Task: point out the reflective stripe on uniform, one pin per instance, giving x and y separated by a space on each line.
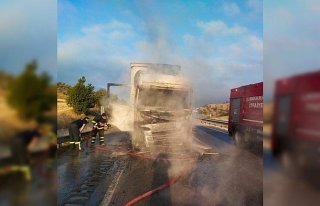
79 146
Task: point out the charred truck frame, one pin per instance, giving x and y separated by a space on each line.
246 115
296 121
161 100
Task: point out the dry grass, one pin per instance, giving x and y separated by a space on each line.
65 114
62 106
65 118
216 111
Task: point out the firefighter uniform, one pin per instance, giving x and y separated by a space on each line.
20 154
74 131
99 122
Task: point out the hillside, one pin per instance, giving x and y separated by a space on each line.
65 114
216 111
62 90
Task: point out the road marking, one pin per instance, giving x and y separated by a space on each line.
110 192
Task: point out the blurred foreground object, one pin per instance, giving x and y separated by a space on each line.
30 94
296 125
27 138
21 144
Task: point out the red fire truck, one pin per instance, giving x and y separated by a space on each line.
246 115
296 120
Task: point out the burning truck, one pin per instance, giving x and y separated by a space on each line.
161 100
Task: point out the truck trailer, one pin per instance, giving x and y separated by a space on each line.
161 100
245 123
296 121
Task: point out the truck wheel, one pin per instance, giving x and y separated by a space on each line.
238 139
288 161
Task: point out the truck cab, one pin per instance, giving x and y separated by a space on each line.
246 115
161 100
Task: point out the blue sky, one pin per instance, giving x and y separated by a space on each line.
291 39
217 43
28 30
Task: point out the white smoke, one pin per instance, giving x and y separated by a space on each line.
122 116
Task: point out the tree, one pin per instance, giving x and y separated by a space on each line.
101 95
82 97
31 94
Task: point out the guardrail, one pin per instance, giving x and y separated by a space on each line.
63 138
215 122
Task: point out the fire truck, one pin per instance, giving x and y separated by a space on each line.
296 121
246 115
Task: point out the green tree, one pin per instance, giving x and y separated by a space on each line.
82 97
31 94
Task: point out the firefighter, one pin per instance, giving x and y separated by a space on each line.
99 122
24 142
75 130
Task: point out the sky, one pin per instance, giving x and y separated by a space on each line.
218 44
28 30
291 40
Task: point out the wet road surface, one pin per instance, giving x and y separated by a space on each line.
84 176
41 190
281 187
227 176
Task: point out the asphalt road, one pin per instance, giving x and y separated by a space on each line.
284 187
224 176
84 176
41 190
227 176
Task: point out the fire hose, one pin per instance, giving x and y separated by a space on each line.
147 194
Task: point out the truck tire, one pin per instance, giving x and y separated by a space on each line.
238 139
289 164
